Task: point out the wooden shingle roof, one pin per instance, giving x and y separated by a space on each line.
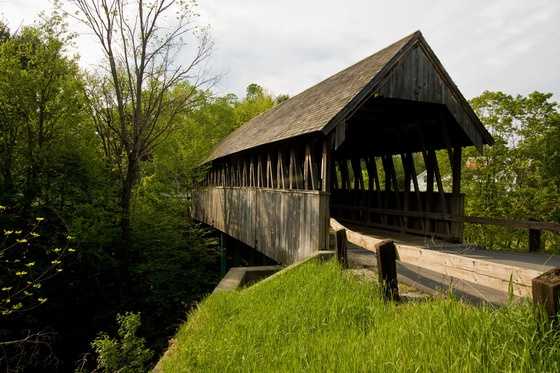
318 108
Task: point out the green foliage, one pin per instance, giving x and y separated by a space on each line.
128 352
317 318
518 177
257 100
27 260
41 116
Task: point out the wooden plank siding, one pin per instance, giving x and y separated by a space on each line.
285 225
417 77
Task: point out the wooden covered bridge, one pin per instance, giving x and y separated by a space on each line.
349 148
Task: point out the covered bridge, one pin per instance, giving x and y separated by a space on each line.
349 147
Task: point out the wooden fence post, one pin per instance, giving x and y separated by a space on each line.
342 248
534 240
546 292
387 269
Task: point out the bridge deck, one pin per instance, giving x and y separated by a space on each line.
459 264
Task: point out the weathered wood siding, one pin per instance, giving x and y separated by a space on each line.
417 78
285 225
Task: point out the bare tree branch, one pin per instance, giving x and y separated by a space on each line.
138 96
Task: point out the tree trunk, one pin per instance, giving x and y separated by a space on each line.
124 244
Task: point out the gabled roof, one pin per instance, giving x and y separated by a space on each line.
322 106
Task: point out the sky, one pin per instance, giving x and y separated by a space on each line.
289 45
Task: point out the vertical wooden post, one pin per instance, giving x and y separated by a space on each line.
388 175
414 177
546 293
280 171
343 163
325 167
259 172
373 181
441 192
342 248
358 177
269 176
534 240
252 173
292 169
308 174
387 269
407 179
391 174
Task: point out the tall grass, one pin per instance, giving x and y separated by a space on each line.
317 318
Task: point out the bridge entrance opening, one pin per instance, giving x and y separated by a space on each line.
399 169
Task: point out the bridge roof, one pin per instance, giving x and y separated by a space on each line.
328 103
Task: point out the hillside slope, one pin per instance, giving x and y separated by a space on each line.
317 318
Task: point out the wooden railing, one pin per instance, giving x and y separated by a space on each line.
419 213
535 228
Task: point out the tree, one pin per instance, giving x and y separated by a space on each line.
131 103
518 177
40 99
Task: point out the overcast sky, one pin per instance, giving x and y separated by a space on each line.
289 45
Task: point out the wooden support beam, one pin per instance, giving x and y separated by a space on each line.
269 175
391 175
315 167
343 164
258 172
407 179
341 248
308 170
386 253
387 174
280 171
325 167
534 240
334 176
432 155
373 180
252 182
358 177
292 169
412 169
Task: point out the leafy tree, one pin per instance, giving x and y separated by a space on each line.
256 101
131 105
40 100
518 176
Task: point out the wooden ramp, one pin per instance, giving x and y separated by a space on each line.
491 274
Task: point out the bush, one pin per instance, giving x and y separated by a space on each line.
125 354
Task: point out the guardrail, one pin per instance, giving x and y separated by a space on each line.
535 227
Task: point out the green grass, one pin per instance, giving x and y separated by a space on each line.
316 318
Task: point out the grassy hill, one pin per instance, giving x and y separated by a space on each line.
317 318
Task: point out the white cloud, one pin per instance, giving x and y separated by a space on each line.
288 45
